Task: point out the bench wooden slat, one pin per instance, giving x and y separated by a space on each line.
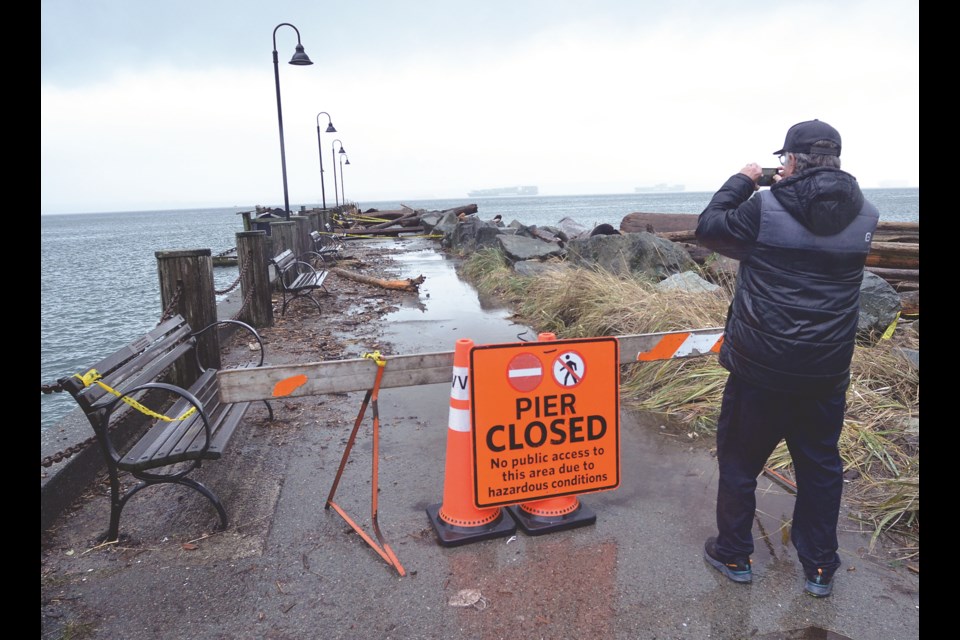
223 417
308 281
133 369
228 416
230 419
169 442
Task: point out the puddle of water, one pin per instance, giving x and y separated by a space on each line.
445 310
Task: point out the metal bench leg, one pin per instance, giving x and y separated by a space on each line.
211 496
303 295
117 503
116 506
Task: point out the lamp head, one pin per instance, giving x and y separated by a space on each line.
347 162
300 57
331 128
342 150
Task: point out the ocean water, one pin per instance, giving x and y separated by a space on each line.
99 287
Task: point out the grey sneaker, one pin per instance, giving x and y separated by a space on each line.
819 585
738 569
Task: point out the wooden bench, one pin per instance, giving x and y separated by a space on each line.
297 279
325 247
182 427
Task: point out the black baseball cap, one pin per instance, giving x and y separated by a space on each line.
802 136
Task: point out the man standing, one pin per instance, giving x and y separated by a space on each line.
788 342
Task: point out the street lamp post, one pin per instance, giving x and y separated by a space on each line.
333 154
330 129
343 192
300 59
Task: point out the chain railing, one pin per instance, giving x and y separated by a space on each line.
243 305
235 284
60 456
174 301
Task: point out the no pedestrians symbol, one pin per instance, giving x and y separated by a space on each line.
524 372
569 369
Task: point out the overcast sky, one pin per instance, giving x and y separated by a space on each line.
172 105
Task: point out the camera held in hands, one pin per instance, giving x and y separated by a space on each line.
766 179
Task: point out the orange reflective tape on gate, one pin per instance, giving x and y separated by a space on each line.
682 344
545 419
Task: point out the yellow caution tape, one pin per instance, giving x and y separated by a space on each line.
893 325
93 377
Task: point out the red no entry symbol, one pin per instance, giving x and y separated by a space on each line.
524 372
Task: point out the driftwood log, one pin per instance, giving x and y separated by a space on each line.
407 211
409 284
359 232
894 255
396 222
466 209
912 275
406 219
658 223
910 303
402 218
386 215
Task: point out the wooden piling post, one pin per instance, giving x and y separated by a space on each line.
303 234
326 221
284 234
186 287
314 215
253 257
247 224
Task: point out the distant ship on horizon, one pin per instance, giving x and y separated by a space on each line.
661 187
504 191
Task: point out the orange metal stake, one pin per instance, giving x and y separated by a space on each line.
383 549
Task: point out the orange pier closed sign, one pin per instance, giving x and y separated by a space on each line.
545 419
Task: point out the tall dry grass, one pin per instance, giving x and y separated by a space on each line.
880 440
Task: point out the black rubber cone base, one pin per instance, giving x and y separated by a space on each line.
534 525
453 536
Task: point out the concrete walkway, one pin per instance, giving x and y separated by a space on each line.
288 568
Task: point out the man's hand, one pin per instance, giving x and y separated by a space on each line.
753 171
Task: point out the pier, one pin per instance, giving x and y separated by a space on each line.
288 567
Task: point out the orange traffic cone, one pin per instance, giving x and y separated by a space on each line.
458 520
551 514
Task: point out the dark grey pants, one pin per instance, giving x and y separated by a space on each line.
752 422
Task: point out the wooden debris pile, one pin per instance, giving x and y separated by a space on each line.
374 223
